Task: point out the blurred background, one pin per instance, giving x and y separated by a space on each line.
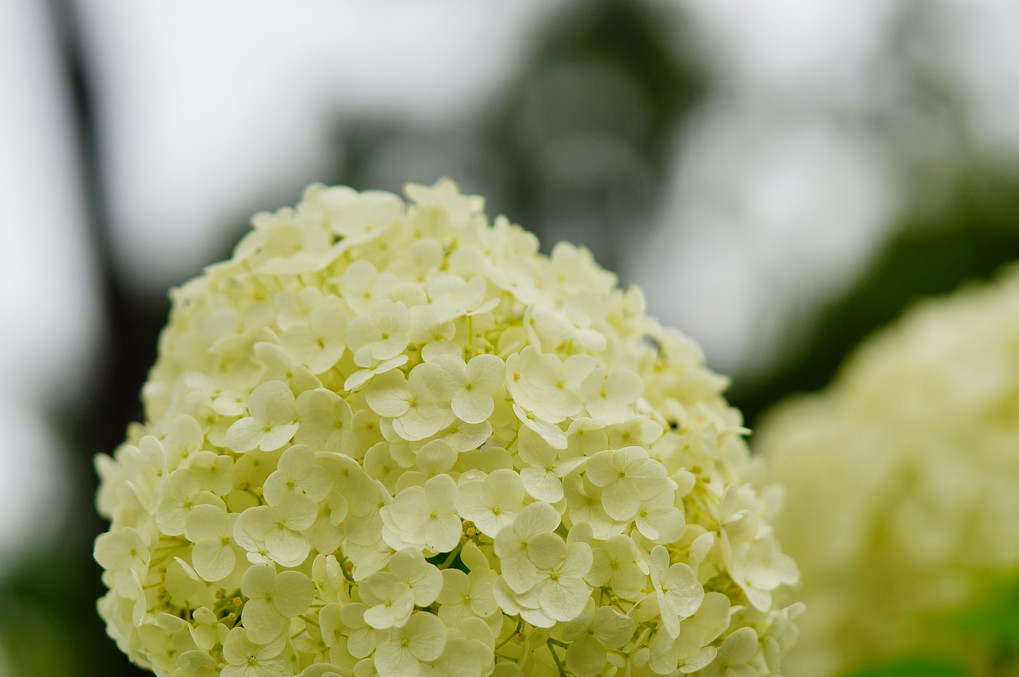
781 178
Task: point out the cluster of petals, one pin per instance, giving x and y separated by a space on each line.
901 482
394 439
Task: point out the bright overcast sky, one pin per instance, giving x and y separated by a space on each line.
45 294
197 135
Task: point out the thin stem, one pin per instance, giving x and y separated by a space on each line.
555 657
452 556
516 631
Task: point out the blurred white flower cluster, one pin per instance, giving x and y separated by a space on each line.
902 477
390 439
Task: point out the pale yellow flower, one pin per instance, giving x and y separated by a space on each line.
901 481
395 439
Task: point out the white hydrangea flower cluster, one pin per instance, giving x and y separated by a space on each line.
903 478
390 439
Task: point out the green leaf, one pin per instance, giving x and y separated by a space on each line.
916 666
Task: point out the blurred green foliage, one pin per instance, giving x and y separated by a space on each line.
578 143
994 618
973 232
910 667
986 630
980 638
584 131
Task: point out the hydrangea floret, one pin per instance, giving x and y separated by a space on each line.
394 439
901 482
